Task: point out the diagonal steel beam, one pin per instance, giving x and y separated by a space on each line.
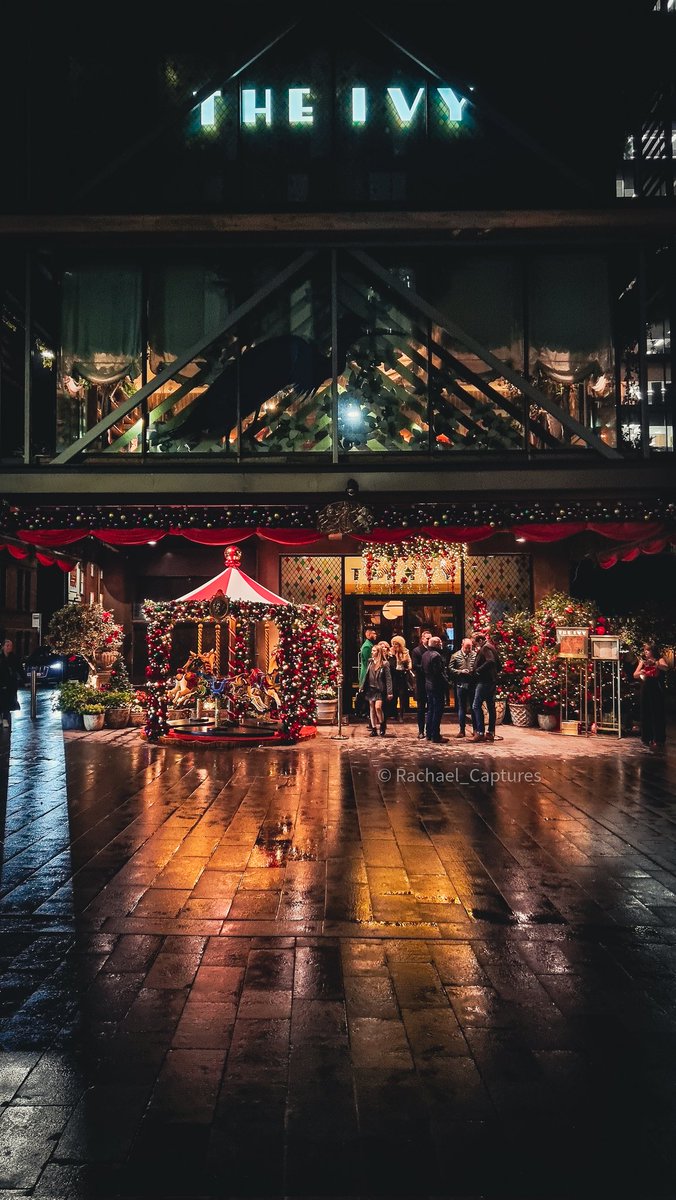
412 299
198 348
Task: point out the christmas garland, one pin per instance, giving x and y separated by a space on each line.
163 518
413 554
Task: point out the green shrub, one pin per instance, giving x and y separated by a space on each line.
93 709
75 697
115 698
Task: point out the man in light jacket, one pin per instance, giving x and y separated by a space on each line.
461 672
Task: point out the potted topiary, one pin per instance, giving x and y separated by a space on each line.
326 688
93 717
513 637
543 682
86 629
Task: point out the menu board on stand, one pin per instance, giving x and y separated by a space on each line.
573 654
607 676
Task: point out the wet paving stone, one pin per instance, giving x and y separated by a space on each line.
275 974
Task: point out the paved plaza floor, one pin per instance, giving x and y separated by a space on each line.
352 967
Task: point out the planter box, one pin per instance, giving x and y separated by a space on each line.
138 715
500 711
548 721
117 718
523 715
93 721
71 720
327 710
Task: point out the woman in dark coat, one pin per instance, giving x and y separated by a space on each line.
378 688
651 671
11 677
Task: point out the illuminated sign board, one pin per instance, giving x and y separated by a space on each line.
573 642
297 107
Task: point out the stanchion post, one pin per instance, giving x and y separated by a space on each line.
339 736
34 694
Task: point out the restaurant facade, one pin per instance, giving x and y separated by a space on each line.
331 304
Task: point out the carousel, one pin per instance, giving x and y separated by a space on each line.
253 672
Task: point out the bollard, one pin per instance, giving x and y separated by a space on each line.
34 694
339 736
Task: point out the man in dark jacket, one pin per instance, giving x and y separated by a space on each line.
461 672
487 667
435 689
420 692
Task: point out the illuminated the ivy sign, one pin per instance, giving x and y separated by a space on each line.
298 106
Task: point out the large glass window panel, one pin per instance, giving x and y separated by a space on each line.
571 351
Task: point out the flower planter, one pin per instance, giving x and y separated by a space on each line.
522 715
71 720
106 658
500 712
117 718
137 715
93 721
327 710
548 721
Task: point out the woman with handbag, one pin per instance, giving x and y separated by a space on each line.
651 671
400 667
377 688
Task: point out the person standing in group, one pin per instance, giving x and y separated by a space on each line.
367 645
420 691
651 670
377 688
487 667
361 707
461 672
11 678
435 689
400 665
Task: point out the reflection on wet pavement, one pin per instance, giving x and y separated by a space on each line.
336 970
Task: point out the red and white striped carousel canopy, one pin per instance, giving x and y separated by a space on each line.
234 584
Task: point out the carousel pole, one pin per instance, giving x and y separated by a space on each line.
339 736
217 656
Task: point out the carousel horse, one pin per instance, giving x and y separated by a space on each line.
262 693
201 663
184 689
195 669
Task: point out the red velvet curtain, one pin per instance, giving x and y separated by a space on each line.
45 560
629 553
621 531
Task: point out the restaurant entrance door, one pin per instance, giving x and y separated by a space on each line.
390 615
